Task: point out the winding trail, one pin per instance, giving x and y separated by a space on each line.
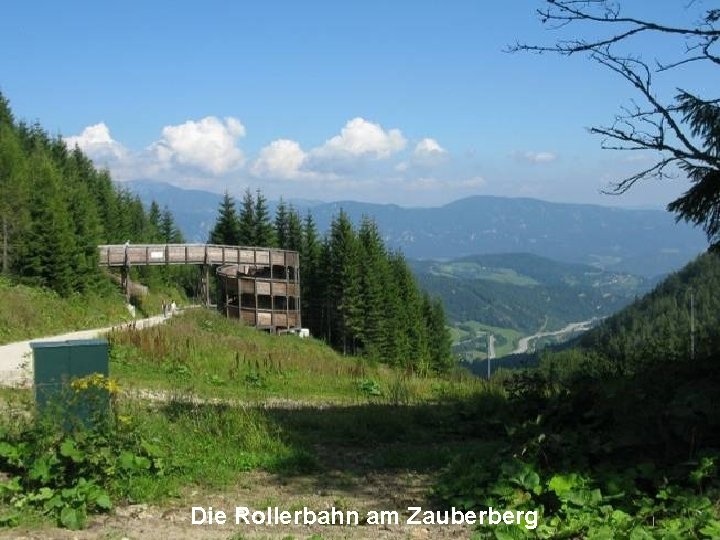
16 358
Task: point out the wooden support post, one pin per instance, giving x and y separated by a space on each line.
287 297
125 282
206 276
298 306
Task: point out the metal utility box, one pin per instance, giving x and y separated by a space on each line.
56 363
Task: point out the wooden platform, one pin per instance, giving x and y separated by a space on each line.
260 285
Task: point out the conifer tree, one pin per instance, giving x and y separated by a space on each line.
154 217
281 224
247 220
13 190
373 277
169 231
344 284
264 234
310 285
294 230
227 227
49 250
439 339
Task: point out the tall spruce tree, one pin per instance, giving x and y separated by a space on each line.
169 231
14 218
373 280
227 227
49 255
154 217
281 224
264 233
438 336
344 284
246 220
294 239
311 284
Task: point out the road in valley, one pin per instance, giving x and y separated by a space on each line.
524 343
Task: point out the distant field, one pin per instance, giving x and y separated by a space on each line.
472 270
473 334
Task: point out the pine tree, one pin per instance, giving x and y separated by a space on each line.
312 295
373 278
264 234
281 224
154 217
439 339
247 221
168 230
13 191
344 284
227 227
294 230
49 250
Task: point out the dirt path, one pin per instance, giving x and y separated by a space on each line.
257 490
16 358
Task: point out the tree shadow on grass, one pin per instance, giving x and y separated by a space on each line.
342 448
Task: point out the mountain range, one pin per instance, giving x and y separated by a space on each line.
643 242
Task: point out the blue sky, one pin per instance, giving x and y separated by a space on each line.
414 103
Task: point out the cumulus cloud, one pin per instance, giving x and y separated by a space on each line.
97 143
536 157
361 138
428 148
281 159
209 144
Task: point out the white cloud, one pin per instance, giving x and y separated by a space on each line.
536 157
209 144
281 159
470 183
97 143
429 148
361 138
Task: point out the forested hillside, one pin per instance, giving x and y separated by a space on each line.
56 207
356 295
657 327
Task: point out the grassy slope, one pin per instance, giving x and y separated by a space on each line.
32 312
342 414
29 312
207 355
599 439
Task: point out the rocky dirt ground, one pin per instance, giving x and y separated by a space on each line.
374 491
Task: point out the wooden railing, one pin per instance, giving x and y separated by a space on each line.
120 255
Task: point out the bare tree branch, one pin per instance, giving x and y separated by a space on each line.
684 130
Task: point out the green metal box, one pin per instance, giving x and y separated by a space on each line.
56 363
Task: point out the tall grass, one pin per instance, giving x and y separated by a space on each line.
204 354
